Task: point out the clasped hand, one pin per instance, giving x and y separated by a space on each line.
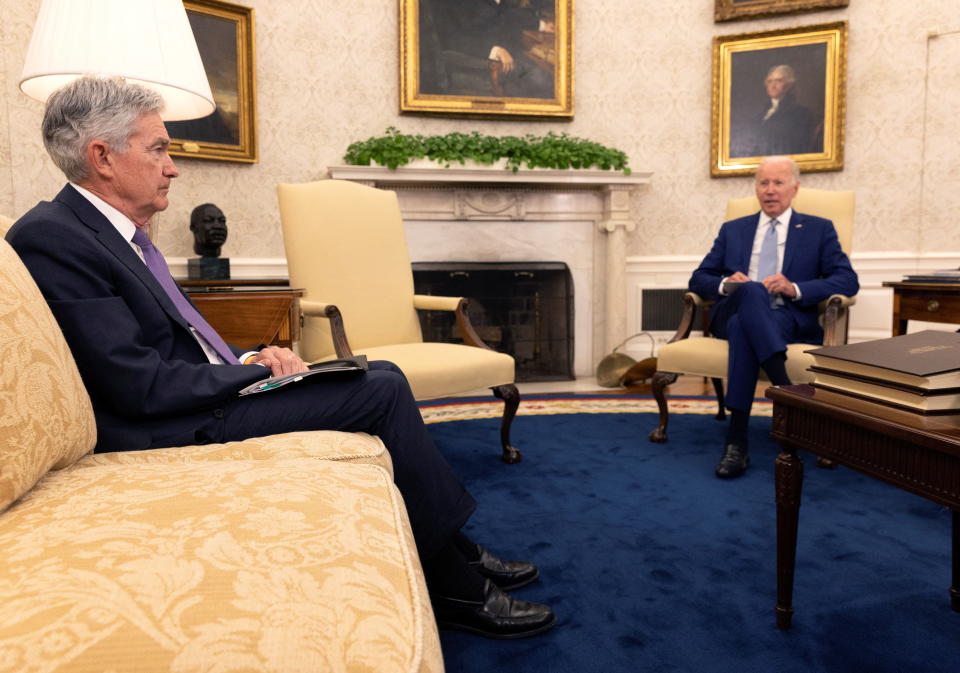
280 361
775 284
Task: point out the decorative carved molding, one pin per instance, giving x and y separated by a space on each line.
489 205
441 199
788 477
383 176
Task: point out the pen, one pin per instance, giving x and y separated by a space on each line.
270 386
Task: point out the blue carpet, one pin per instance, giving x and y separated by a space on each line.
653 564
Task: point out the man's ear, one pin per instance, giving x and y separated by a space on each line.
99 158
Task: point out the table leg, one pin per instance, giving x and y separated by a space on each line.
789 483
955 583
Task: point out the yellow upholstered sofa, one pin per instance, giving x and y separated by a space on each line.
286 553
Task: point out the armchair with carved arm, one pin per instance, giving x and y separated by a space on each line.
346 247
706 355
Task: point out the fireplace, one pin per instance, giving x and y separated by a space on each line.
579 217
524 309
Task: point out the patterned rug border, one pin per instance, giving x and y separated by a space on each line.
465 409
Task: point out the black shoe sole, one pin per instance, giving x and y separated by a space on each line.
515 585
476 631
732 475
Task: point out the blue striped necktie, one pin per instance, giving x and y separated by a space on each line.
767 264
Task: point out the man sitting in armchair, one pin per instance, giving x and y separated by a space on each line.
767 273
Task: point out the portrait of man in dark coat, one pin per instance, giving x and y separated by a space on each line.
777 102
500 48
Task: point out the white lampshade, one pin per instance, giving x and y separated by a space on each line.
145 41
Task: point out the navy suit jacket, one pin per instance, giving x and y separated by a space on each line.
150 382
812 259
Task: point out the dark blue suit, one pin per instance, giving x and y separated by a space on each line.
812 259
152 386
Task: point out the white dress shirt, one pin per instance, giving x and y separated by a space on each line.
783 230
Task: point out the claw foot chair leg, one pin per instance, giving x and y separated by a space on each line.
718 388
659 383
511 400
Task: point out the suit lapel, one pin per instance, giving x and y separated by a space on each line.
746 245
794 236
110 238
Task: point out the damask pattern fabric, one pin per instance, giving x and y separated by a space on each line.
46 420
213 566
353 447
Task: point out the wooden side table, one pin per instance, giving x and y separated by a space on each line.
914 452
931 302
249 315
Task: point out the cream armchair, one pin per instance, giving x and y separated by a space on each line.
347 249
707 356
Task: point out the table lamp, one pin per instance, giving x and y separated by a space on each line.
149 42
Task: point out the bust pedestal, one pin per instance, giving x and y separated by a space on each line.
208 268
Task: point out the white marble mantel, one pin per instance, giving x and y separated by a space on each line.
581 217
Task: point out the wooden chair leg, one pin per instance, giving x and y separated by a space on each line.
659 383
511 401
721 410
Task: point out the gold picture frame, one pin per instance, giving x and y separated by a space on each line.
736 10
804 69
225 37
487 60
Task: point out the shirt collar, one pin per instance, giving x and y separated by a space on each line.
120 222
782 218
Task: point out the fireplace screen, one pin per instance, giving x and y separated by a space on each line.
521 308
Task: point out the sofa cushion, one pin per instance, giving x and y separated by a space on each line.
286 565
349 447
46 419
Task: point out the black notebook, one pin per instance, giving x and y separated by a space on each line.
357 363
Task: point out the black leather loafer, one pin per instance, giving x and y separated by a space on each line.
734 462
498 615
507 575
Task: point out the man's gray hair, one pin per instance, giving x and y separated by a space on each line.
794 169
90 108
788 74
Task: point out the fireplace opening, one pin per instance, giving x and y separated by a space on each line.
524 309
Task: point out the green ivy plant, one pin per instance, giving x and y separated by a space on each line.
554 150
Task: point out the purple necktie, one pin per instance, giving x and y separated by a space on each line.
158 267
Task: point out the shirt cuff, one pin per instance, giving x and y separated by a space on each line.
796 289
248 354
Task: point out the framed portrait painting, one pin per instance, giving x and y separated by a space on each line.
733 10
224 35
779 92
487 58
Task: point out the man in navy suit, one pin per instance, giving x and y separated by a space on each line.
767 273
159 376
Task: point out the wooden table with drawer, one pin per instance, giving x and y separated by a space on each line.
249 312
930 302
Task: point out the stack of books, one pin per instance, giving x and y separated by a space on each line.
940 276
919 372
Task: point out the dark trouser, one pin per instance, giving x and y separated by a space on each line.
754 332
378 402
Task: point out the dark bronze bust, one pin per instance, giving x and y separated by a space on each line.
209 227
